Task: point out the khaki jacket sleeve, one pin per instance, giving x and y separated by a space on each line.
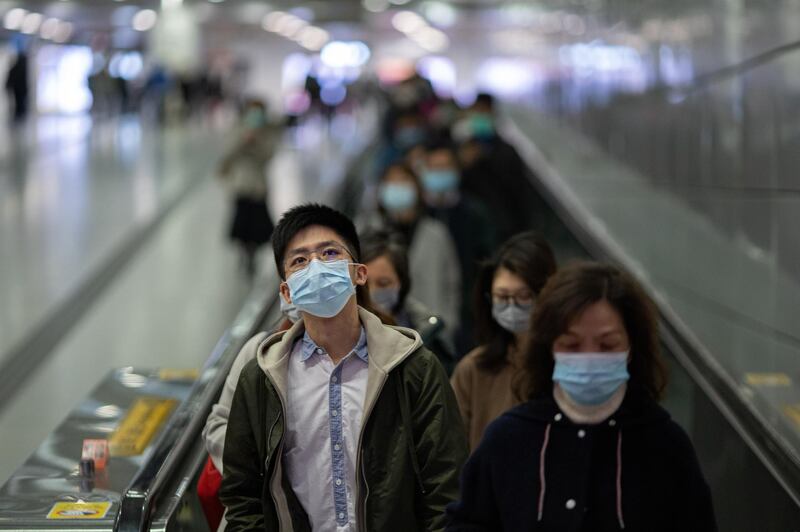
217 422
440 441
243 476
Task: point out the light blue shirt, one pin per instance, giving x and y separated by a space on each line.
325 406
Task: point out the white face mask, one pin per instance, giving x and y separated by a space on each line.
512 317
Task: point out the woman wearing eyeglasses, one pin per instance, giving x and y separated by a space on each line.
505 293
590 450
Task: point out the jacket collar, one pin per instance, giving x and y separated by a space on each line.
636 409
388 346
310 347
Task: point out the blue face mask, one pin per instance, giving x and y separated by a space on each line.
322 289
385 298
398 197
437 181
409 136
590 379
482 126
512 317
289 310
254 118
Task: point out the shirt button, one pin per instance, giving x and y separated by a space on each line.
581 433
334 379
341 516
558 417
612 423
334 413
337 447
338 482
570 504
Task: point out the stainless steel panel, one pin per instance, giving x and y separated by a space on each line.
51 473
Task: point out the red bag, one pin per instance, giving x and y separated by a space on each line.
208 492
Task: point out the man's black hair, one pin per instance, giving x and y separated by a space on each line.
486 99
440 143
298 218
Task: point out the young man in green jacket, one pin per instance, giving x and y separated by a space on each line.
340 423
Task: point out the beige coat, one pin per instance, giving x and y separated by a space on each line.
482 396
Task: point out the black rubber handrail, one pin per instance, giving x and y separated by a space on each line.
186 425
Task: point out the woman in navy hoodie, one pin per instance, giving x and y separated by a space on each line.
591 450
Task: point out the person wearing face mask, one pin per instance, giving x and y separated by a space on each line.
432 254
505 294
468 221
341 422
591 449
216 425
492 169
386 258
243 172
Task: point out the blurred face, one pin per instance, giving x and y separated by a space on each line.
382 275
441 160
397 175
598 329
510 287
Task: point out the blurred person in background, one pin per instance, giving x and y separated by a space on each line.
432 255
17 87
386 258
243 171
468 221
591 449
492 169
505 295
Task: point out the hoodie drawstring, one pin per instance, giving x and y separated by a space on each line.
542 454
619 481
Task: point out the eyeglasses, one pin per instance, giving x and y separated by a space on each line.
520 298
326 252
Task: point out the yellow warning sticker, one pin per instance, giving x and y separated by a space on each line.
169 374
793 413
139 425
79 510
769 380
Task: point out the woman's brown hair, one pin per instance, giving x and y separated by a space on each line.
526 255
565 296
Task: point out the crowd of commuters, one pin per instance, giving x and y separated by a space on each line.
436 370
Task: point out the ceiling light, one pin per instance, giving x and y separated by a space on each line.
13 19
31 23
272 21
145 20
375 6
49 28
313 38
440 14
408 21
290 25
64 32
399 2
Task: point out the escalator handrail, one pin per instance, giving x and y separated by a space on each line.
187 423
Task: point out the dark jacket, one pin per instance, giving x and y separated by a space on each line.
537 471
412 441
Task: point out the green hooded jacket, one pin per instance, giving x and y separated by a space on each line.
411 448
